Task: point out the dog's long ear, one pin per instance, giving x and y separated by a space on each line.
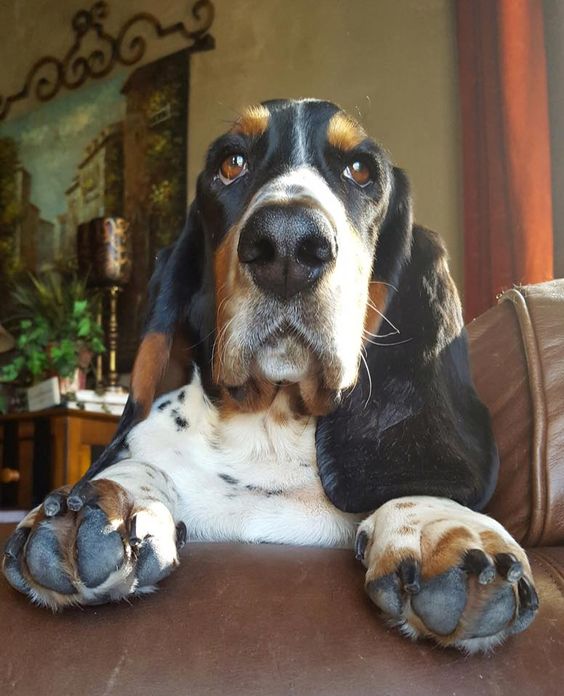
177 319
176 328
392 253
394 236
413 424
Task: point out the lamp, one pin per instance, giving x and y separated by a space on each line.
104 253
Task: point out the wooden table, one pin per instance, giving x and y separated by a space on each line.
43 450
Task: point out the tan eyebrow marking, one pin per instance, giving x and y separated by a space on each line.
343 132
253 121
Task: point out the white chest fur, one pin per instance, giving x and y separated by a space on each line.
249 477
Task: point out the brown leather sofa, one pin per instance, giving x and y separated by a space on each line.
272 620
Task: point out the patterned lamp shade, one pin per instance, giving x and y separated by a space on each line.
104 251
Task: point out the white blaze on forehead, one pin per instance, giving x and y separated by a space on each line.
303 185
300 144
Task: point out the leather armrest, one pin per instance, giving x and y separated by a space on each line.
517 356
250 620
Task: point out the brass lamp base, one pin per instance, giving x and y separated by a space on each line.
104 255
113 375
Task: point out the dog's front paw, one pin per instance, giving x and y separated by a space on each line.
440 570
113 547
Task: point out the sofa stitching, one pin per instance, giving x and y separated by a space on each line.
539 485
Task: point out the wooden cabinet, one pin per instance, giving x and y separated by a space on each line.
44 450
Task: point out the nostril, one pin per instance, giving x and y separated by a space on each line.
314 252
261 250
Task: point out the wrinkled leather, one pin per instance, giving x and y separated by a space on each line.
501 379
240 620
517 355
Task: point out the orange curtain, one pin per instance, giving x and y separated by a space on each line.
506 153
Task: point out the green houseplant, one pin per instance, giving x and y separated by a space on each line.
55 327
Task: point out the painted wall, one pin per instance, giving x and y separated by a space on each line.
390 62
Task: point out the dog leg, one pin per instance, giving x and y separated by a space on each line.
121 543
439 570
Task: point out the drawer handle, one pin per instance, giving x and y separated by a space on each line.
9 475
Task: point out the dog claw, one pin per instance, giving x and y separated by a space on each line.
16 542
528 596
134 540
181 535
75 502
360 545
54 504
13 574
409 572
509 567
477 563
51 506
82 494
12 559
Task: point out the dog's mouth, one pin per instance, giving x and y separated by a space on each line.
284 359
283 349
311 340
285 365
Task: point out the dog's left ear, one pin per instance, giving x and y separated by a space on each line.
178 318
176 334
413 424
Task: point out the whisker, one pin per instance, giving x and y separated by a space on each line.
383 282
223 344
220 305
228 106
373 306
396 343
369 333
194 345
198 343
392 333
218 340
369 379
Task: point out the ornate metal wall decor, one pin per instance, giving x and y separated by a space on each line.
48 75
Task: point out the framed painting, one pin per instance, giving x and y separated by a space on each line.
116 147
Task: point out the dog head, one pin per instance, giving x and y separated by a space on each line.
298 264
299 226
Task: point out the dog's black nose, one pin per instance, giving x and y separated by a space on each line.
286 248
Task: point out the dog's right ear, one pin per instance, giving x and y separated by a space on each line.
178 331
395 234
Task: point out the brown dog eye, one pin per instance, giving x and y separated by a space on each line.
232 168
359 173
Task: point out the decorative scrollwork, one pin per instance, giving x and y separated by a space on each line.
49 74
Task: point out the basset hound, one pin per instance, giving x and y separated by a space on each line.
303 378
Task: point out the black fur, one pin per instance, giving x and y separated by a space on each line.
420 429
229 479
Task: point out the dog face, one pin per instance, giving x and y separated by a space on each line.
292 202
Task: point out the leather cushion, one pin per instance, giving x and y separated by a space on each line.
517 356
269 620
